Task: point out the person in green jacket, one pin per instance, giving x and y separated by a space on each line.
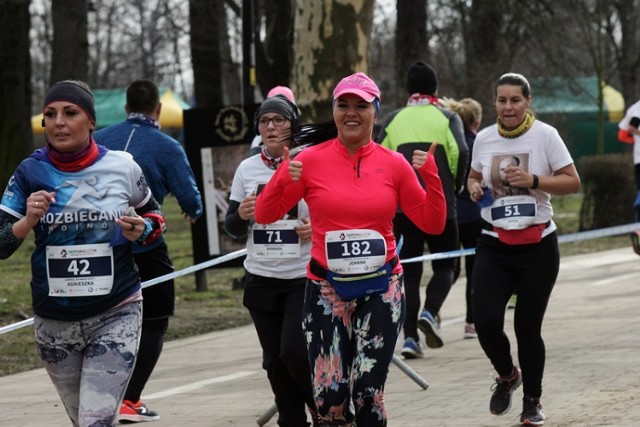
418 125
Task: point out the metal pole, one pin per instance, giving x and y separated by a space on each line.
264 418
201 280
410 372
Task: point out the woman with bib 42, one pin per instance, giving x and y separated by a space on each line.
517 251
86 206
354 303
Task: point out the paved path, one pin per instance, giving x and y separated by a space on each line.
592 334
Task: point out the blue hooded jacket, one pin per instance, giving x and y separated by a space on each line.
163 161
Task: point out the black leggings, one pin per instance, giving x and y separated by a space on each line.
443 270
636 208
275 306
158 305
151 342
469 232
501 270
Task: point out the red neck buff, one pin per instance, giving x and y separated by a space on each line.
422 99
269 160
73 162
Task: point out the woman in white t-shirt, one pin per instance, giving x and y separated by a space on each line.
517 251
277 257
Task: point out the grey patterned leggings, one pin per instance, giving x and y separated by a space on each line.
90 361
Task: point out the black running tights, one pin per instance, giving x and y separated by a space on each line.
501 270
151 342
443 270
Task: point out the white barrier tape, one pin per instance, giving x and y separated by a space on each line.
440 255
601 232
193 268
154 281
17 325
565 238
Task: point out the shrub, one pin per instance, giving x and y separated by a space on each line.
608 187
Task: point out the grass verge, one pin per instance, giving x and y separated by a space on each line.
197 312
219 307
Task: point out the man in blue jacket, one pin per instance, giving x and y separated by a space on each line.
166 170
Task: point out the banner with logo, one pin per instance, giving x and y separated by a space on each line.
216 141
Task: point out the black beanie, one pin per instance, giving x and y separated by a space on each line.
278 104
422 78
73 92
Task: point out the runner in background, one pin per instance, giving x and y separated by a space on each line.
630 133
468 212
517 251
167 171
418 126
277 257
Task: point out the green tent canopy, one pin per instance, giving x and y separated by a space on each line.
110 109
575 96
571 105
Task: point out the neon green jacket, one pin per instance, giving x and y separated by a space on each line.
417 127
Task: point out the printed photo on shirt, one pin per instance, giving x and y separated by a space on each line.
499 165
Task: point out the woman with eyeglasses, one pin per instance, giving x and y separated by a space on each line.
277 256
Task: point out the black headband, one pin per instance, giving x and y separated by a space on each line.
74 93
278 104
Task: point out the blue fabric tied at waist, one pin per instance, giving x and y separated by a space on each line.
352 286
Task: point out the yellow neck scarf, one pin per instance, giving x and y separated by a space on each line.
520 130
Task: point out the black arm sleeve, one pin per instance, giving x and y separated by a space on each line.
635 122
151 206
457 129
235 226
9 243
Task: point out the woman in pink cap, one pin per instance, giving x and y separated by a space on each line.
354 303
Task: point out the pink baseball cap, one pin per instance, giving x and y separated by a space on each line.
282 90
358 84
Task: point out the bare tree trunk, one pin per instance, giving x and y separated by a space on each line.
411 41
331 41
70 51
15 74
274 52
628 56
206 17
231 77
486 57
101 62
41 36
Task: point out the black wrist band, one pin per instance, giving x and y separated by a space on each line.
535 182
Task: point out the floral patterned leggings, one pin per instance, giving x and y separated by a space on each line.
351 345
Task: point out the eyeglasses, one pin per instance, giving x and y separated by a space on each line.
278 121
